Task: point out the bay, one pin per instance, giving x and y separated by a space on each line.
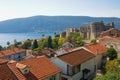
5 37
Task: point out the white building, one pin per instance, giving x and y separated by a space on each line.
76 65
13 54
99 51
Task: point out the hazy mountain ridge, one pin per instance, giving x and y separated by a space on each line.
51 23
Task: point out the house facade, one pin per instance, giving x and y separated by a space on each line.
13 54
99 51
75 65
113 32
111 42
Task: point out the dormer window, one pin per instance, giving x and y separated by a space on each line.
23 68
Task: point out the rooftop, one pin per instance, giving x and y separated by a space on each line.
3 61
11 52
77 57
96 48
40 68
5 72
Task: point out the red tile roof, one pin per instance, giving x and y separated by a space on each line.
3 61
6 73
96 48
117 38
77 57
105 38
40 68
11 52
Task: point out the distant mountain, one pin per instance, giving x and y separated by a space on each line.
51 23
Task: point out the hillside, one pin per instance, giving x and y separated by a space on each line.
50 23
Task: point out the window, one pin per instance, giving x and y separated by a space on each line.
52 78
76 69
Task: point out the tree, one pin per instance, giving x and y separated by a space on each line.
112 65
1 48
15 43
35 44
8 43
111 53
55 43
110 75
26 45
55 33
77 39
49 42
94 41
61 41
112 71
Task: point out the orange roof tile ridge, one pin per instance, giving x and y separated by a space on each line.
13 72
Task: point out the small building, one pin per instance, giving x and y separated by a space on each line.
63 34
40 68
67 45
111 42
13 54
113 32
99 51
76 65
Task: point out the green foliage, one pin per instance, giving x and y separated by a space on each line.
94 41
111 53
55 43
112 71
112 65
49 42
26 45
15 43
61 41
35 44
1 48
8 43
37 49
110 75
77 39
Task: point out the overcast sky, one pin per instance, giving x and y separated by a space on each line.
24 8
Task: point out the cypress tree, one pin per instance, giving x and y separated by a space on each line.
35 44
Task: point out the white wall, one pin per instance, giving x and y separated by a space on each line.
89 65
62 65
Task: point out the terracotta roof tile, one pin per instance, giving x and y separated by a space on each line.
117 38
40 68
96 48
3 61
11 51
77 57
6 73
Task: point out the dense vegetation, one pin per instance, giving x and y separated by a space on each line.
112 67
112 71
54 43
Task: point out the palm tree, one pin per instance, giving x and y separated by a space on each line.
8 43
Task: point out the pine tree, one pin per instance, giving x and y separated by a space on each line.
35 44
49 44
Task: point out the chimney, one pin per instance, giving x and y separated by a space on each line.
23 68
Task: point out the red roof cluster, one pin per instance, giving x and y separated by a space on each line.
11 51
40 68
96 48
